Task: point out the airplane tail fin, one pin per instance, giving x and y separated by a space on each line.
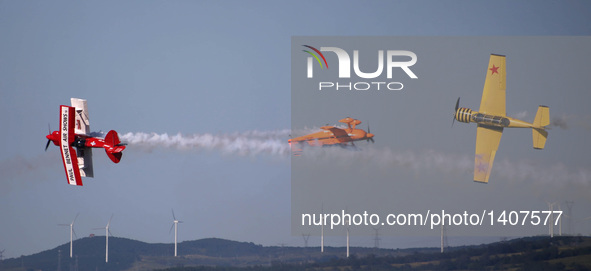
539 134
113 146
542 117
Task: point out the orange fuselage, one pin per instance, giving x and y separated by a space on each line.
328 137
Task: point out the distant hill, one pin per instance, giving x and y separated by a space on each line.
531 253
126 254
89 254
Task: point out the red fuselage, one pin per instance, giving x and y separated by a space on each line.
83 141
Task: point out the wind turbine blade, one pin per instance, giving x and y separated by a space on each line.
75 235
174 217
109 221
172 226
75 218
111 233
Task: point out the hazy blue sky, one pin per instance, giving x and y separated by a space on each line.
202 67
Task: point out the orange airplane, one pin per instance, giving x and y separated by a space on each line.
333 136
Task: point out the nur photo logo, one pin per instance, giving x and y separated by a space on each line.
392 61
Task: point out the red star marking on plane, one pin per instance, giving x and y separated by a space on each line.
494 70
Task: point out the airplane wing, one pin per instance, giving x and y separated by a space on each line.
493 95
338 133
82 124
85 162
67 136
82 127
330 136
487 143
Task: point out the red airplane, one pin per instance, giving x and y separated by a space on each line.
75 132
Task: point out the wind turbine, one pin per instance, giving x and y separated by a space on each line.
348 223
559 219
322 229
72 233
107 233
175 224
551 214
322 237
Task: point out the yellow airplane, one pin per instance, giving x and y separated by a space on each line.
491 119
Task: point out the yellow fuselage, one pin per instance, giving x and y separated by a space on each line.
467 115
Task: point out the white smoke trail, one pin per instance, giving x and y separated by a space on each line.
416 160
244 143
521 115
558 174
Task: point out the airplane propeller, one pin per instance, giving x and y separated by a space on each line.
48 140
369 133
455 111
